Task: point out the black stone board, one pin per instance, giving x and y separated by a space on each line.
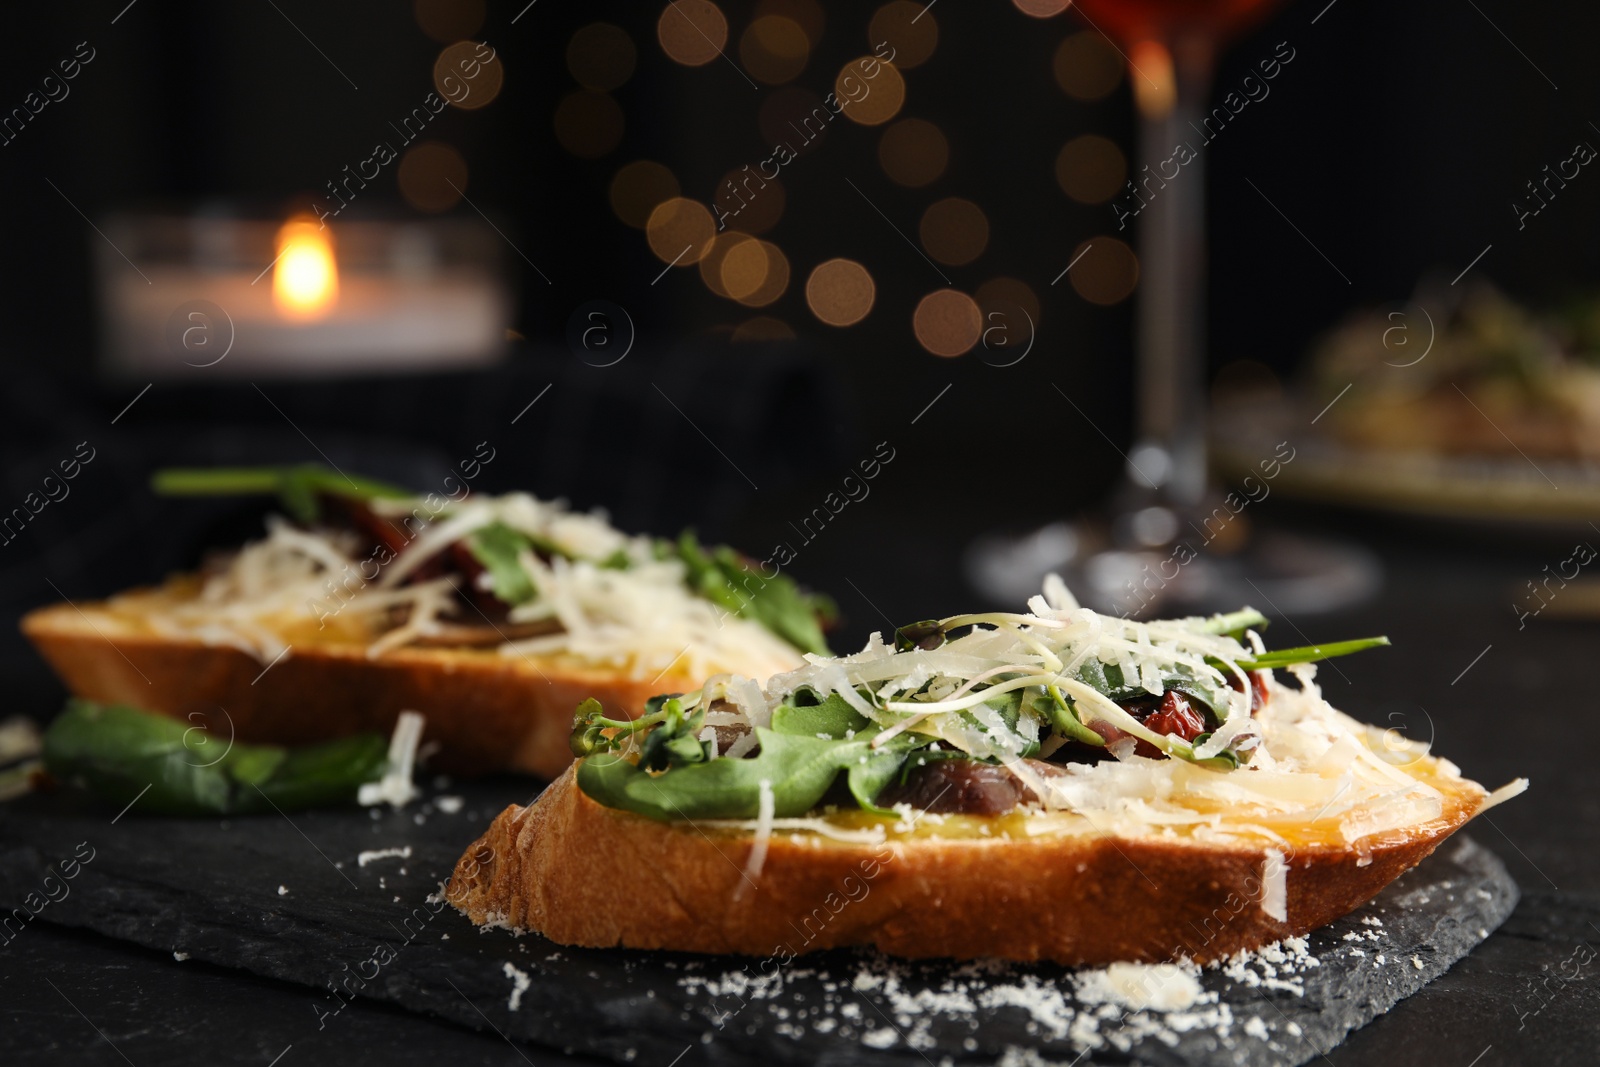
209 890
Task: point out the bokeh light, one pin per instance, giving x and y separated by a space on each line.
755 273
774 49
1086 66
762 328
1042 9
807 14
954 231
432 176
1002 295
913 152
680 231
447 21
1107 272
749 202
638 187
791 115
588 124
601 57
907 28
870 91
744 269
947 322
692 32
840 292
711 262
468 74
1091 169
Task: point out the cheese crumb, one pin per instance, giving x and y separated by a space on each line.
881 1038
364 858
520 982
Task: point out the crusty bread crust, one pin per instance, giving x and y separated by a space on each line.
487 712
583 874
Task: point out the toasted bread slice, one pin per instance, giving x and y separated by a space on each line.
940 890
487 711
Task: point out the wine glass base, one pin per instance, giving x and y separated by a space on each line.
1284 573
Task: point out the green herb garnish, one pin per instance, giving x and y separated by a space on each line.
297 486
801 755
176 768
1285 657
723 577
498 547
717 573
660 767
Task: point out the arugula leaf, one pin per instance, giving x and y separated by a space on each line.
799 770
800 756
721 576
1062 714
119 751
833 717
1283 657
497 547
296 486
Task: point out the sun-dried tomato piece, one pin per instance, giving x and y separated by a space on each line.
1176 717
1258 688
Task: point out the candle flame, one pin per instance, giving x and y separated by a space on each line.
1155 82
305 281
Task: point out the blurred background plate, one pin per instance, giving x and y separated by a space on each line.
1511 493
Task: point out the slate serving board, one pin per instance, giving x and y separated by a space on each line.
290 898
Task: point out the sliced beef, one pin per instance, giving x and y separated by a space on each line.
964 787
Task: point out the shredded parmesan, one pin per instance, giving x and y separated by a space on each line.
766 806
1514 788
395 786
1275 886
614 604
1312 774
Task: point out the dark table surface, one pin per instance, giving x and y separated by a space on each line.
1501 698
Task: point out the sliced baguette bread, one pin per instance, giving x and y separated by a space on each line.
487 711
941 890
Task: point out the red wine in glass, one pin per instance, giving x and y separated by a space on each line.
1170 46
1161 20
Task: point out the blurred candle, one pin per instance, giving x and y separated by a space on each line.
305 278
368 296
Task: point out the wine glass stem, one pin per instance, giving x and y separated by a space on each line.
1171 314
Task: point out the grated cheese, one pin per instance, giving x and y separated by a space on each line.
766 806
1314 772
642 619
395 786
1275 886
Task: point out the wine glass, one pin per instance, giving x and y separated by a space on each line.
1171 542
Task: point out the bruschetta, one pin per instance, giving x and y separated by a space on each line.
491 615
1055 785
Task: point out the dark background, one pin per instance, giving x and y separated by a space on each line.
1396 143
